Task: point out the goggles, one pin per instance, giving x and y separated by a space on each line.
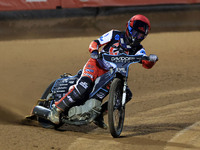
137 35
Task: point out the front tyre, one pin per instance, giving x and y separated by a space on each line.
116 112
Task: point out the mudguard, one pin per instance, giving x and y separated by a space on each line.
62 85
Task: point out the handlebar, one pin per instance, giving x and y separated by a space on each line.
124 58
145 57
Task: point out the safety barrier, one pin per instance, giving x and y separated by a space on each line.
104 3
12 5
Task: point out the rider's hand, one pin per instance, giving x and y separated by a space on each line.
94 54
153 58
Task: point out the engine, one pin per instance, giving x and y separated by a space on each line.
84 112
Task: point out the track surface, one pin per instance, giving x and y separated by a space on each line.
166 98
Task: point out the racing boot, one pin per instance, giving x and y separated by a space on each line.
129 95
54 115
99 121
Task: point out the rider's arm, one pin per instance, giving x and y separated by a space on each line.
94 45
145 63
104 39
148 64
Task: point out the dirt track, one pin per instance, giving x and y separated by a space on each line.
166 98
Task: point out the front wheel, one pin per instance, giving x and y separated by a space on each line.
116 112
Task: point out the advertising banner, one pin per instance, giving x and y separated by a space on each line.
104 3
6 5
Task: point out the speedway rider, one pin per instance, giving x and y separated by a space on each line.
114 42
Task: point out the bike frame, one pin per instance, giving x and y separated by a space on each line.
121 65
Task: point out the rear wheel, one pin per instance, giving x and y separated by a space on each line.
44 122
116 112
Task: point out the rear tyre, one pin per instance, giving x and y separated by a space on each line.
43 122
116 113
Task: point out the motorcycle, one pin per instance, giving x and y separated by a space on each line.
113 82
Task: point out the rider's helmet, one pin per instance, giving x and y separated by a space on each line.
137 29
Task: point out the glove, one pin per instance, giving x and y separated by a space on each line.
94 54
153 58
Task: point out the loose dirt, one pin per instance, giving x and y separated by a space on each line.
166 98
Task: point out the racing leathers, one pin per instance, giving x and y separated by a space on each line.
113 42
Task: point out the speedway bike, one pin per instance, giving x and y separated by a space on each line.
112 83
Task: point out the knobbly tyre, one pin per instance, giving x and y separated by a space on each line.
114 83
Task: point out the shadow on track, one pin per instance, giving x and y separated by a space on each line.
63 128
145 129
82 129
137 132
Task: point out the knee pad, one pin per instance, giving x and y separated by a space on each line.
78 92
81 89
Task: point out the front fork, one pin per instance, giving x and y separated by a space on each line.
124 92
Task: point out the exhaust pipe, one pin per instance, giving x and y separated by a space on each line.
41 111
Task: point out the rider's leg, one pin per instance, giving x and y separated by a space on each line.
128 95
84 84
78 91
128 98
99 121
75 94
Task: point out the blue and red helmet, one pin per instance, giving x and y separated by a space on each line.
137 29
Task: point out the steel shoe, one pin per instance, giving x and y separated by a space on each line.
54 115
